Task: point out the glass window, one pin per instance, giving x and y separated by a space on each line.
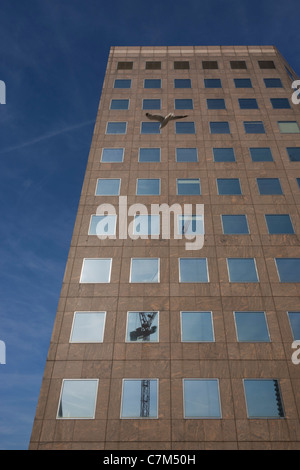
139 398
223 155
122 83
294 154
180 64
125 65
188 187
152 83
294 318
229 186
144 270
153 65
298 181
96 270
116 128
182 83
212 83
216 103
288 127
263 398
146 225
288 269
185 127
184 104
142 327
261 154
266 64
242 83
150 128
191 224
238 64
149 155
148 187
186 155
219 128
248 103
235 224
201 398
88 327
251 327
103 225
196 327
267 186
78 398
273 83
151 104
193 270
280 103
108 187
210 64
112 155
119 104
279 223
254 127
242 270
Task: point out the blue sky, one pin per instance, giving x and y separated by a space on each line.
53 57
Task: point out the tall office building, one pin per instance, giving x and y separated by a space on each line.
158 344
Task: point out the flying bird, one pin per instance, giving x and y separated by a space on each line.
164 119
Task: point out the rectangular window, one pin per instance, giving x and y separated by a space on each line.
146 225
151 104
280 103
182 83
144 270
294 154
254 127
193 270
185 128
261 154
153 65
242 83
152 83
190 225
119 104
279 224
216 103
269 186
196 327
288 127
266 64
142 327
112 155
181 65
148 187
272 83
186 155
96 270
116 128
125 66
184 104
248 103
212 83
189 187
242 270
122 83
78 398
229 186
263 398
288 269
298 182
235 224
294 319
150 128
88 327
219 128
108 187
201 398
210 64
139 398
103 225
223 155
149 155
251 327
238 64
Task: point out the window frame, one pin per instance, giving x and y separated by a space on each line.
149 148
230 280
245 312
116 133
102 234
119 99
94 398
218 396
138 180
87 312
211 327
127 335
229 194
144 282
279 233
255 416
110 195
206 274
235 215
112 148
188 179
122 398
96 282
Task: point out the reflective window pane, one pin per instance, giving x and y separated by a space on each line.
148 187
182 83
212 83
112 155
229 186
191 224
146 225
280 103
272 82
184 104
142 327
193 270
294 154
201 398
216 103
242 270
263 398
116 128
150 128
149 155
219 128
152 83
242 83
196 327
96 270
103 225
251 326
188 186
88 327
279 223
223 155
254 127
108 187
288 269
78 399
288 127
248 103
144 270
119 104
151 104
185 128
235 224
186 155
269 186
261 154
294 318
122 83
140 398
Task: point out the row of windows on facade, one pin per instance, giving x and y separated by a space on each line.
190 270
206 64
196 327
219 154
201 398
125 83
215 127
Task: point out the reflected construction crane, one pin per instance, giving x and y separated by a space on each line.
144 331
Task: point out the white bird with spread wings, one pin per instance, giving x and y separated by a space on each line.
164 119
